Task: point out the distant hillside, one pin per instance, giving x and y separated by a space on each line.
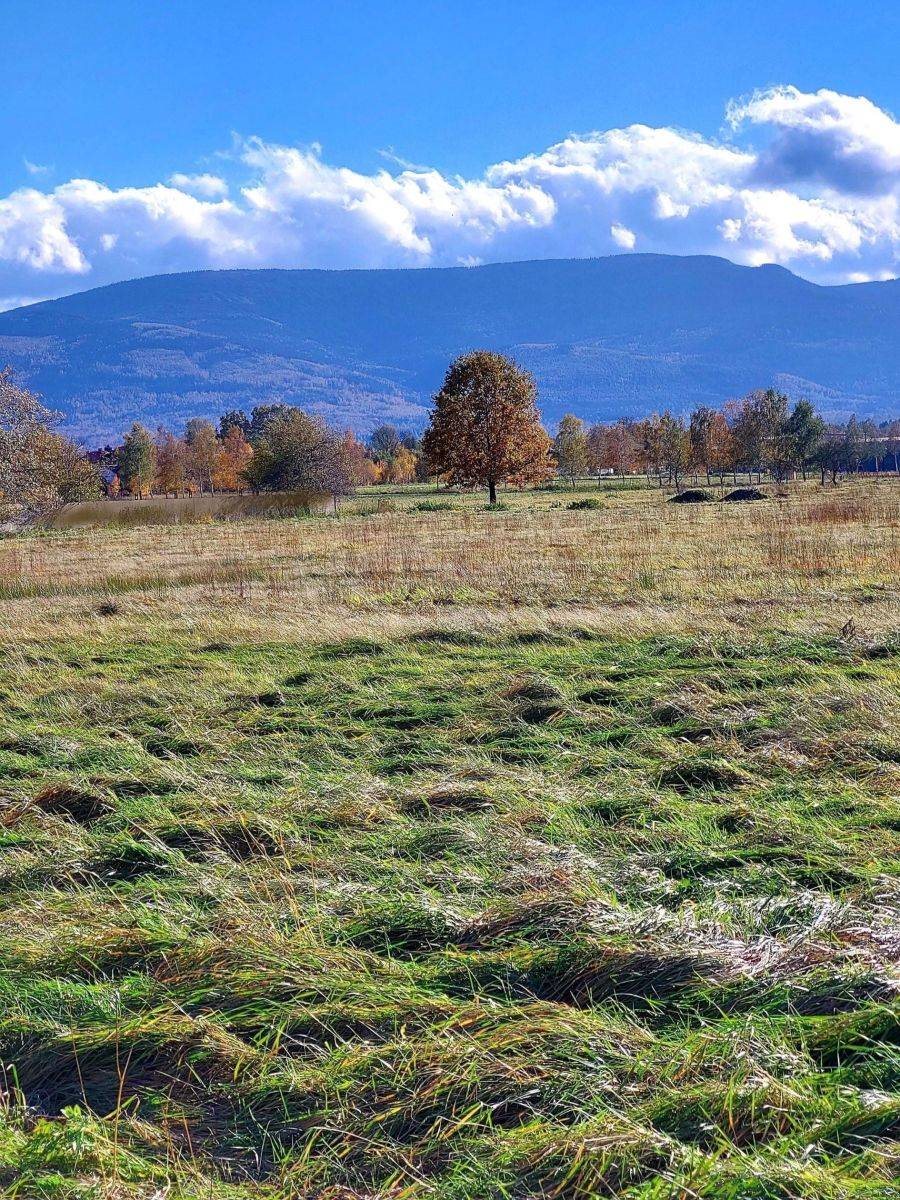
604 337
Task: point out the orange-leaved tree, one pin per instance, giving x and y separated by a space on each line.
402 467
485 428
232 461
360 467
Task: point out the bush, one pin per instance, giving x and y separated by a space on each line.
588 504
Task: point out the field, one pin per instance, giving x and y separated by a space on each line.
436 852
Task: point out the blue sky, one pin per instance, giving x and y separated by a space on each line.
143 100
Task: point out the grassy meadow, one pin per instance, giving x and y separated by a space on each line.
425 851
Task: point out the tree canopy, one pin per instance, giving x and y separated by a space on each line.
39 470
570 447
485 428
298 453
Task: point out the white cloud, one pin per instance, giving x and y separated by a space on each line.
34 234
34 168
821 195
843 142
210 186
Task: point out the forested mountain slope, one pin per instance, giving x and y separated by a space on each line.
604 337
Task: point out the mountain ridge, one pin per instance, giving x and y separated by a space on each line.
605 337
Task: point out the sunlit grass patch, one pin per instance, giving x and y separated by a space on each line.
458 913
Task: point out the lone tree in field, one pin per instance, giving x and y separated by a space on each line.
485 428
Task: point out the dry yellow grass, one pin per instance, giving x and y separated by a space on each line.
814 557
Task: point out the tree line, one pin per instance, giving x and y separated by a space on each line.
761 433
278 447
484 431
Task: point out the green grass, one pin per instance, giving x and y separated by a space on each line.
459 915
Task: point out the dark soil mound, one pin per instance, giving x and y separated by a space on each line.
746 494
692 496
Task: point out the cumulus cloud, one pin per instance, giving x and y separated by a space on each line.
211 186
842 142
820 194
624 238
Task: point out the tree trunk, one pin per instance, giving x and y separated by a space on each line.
492 491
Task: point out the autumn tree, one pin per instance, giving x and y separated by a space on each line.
203 453
674 447
597 449
137 461
650 447
570 448
262 414
485 428
853 444
873 446
59 474
712 449
829 456
748 432
232 461
699 431
297 453
170 463
779 450
620 447
759 426
402 467
720 447
235 418
360 468
22 420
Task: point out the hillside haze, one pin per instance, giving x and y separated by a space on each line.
604 337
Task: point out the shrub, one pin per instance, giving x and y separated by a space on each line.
588 504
